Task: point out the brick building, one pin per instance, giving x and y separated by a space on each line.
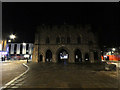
65 43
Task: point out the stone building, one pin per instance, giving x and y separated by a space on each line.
65 43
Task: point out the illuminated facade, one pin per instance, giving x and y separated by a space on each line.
65 43
3 49
4 44
15 51
111 54
20 50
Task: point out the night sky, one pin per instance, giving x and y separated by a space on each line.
22 18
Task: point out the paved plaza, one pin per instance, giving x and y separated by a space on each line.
49 75
11 69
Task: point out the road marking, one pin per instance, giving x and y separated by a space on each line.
9 83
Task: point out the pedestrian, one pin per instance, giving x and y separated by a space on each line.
2 58
27 60
65 63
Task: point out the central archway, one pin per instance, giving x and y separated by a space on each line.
63 56
78 55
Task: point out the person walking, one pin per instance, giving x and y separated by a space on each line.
2 58
27 60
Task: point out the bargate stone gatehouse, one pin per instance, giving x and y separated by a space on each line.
65 43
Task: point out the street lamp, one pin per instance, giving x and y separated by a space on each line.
12 36
9 40
113 49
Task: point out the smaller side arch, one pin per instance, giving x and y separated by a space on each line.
47 40
87 57
40 58
79 39
48 56
78 56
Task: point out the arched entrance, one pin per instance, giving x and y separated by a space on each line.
48 56
41 58
87 57
63 56
78 55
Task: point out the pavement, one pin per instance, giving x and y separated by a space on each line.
11 69
49 75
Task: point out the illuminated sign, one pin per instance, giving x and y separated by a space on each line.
26 56
3 53
63 56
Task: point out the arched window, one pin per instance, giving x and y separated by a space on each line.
68 39
62 40
78 40
47 40
57 40
78 55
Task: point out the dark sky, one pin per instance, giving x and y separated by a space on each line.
22 18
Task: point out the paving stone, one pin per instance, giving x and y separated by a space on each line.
55 76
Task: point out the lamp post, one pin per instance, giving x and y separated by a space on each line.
113 49
11 38
9 41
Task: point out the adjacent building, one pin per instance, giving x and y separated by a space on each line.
15 51
111 54
19 50
3 49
